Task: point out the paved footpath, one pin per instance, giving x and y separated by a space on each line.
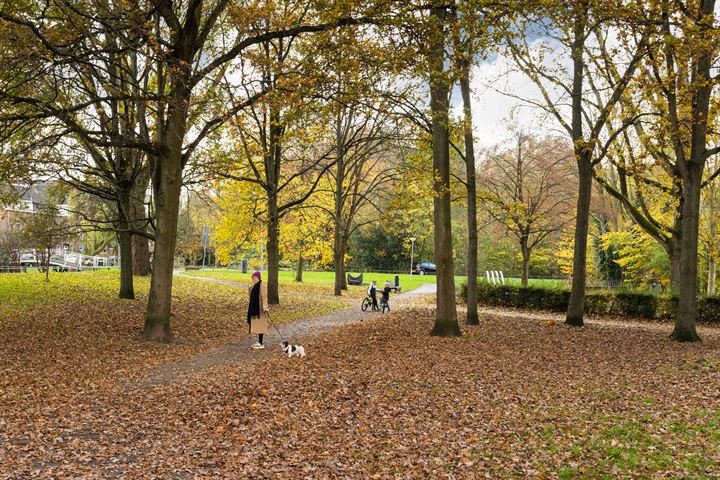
294 331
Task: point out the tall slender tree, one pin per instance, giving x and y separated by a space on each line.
446 323
478 25
472 239
676 93
682 67
575 26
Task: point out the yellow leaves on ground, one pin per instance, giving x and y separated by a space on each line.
517 396
57 339
382 399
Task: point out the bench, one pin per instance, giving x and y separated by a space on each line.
355 280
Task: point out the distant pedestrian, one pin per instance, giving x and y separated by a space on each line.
257 309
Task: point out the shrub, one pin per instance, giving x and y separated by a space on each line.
634 304
621 303
709 309
666 307
599 303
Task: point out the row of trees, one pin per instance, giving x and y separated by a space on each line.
114 98
288 106
627 78
641 86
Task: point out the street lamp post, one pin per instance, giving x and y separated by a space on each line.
412 253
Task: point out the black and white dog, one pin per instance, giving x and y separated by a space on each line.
293 350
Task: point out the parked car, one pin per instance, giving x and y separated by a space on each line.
425 268
28 260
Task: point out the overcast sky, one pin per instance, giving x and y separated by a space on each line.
495 113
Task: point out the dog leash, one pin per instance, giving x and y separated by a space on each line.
267 314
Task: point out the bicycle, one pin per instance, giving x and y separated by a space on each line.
366 303
383 305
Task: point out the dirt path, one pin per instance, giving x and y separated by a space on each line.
294 331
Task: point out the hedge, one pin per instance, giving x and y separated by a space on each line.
619 303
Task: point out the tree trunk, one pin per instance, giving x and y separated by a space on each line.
272 173
299 271
583 153
472 242
140 251
712 234
127 290
48 254
577 295
141 255
167 183
445 314
138 214
338 252
712 275
344 270
687 281
166 175
273 255
338 259
525 251
341 265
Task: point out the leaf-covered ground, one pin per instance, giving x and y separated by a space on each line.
73 336
515 396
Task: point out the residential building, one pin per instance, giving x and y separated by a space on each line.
31 198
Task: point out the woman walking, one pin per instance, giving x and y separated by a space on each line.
257 309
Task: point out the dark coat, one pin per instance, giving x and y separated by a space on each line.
260 303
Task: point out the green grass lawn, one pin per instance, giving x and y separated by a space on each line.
19 291
28 289
407 282
25 290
